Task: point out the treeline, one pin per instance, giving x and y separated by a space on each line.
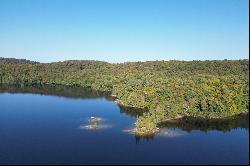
168 89
16 61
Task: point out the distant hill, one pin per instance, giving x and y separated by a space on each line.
16 61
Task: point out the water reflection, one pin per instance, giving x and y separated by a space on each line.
68 92
147 138
54 90
185 124
224 125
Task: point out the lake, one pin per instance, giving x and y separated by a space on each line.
44 125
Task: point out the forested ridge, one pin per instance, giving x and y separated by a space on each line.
167 89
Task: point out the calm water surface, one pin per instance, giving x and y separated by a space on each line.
42 126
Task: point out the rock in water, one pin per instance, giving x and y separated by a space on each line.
95 120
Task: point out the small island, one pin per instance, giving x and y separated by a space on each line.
94 124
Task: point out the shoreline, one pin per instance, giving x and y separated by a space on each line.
116 100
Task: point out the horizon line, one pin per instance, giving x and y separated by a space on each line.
156 60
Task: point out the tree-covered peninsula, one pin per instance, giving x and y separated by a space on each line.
167 89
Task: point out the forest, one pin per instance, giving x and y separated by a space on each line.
166 89
16 61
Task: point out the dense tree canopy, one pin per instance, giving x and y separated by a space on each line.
16 61
168 89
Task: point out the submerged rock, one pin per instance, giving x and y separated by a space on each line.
141 133
170 133
160 132
130 131
94 127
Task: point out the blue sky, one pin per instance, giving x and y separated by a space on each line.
124 30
